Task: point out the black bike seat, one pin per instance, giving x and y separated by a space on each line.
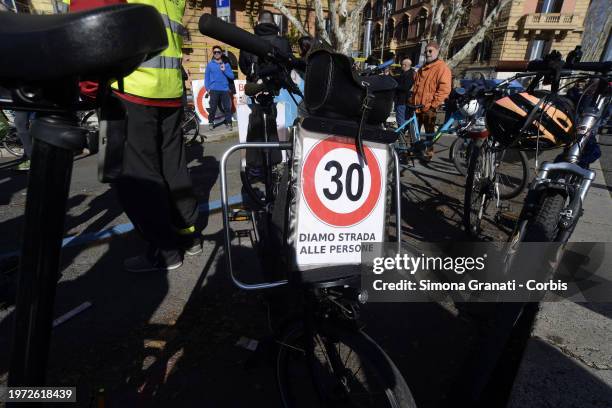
107 42
414 106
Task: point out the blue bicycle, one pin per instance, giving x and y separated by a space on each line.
412 143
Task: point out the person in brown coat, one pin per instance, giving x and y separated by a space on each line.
432 85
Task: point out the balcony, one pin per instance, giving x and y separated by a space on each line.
557 22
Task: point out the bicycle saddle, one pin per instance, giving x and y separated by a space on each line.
419 106
107 42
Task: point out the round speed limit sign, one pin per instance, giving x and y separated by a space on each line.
340 190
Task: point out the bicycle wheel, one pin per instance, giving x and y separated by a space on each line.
90 121
459 153
512 173
544 227
190 125
477 189
12 144
344 369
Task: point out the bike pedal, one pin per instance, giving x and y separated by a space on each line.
240 215
508 216
242 233
239 218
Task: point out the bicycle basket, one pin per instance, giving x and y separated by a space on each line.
333 89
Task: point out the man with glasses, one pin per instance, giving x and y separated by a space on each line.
216 80
432 85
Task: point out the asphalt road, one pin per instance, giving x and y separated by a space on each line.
148 340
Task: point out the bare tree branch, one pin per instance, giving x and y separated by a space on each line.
337 31
450 26
597 26
320 21
437 15
479 35
280 6
356 11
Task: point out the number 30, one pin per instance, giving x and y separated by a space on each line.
348 182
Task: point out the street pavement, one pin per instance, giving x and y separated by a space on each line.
568 358
148 340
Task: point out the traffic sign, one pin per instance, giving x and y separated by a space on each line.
356 187
223 8
342 202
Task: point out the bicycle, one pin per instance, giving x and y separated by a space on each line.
466 112
57 136
323 348
411 142
495 171
8 135
190 126
553 205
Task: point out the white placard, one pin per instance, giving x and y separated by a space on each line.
342 200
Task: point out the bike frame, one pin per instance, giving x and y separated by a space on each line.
431 138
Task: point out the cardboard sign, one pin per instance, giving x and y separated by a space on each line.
342 201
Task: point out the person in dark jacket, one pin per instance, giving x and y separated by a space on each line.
263 109
403 91
267 29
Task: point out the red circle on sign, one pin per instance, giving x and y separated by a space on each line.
199 102
312 198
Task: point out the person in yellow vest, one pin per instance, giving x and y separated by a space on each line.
155 186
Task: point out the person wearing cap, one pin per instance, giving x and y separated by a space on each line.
216 81
267 29
432 85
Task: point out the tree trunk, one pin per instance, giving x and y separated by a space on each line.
450 26
280 6
344 23
598 24
478 36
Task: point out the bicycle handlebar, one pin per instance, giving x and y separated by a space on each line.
546 66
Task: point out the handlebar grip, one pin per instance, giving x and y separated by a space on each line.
511 66
604 67
220 30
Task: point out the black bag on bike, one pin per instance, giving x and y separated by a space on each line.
335 90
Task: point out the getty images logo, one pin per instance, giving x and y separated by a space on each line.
411 263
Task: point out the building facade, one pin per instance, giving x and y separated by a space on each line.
525 30
198 48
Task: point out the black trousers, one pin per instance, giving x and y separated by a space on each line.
222 98
155 187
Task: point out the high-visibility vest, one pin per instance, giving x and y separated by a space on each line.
63 6
160 77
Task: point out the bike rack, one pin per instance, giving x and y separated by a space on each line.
225 207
